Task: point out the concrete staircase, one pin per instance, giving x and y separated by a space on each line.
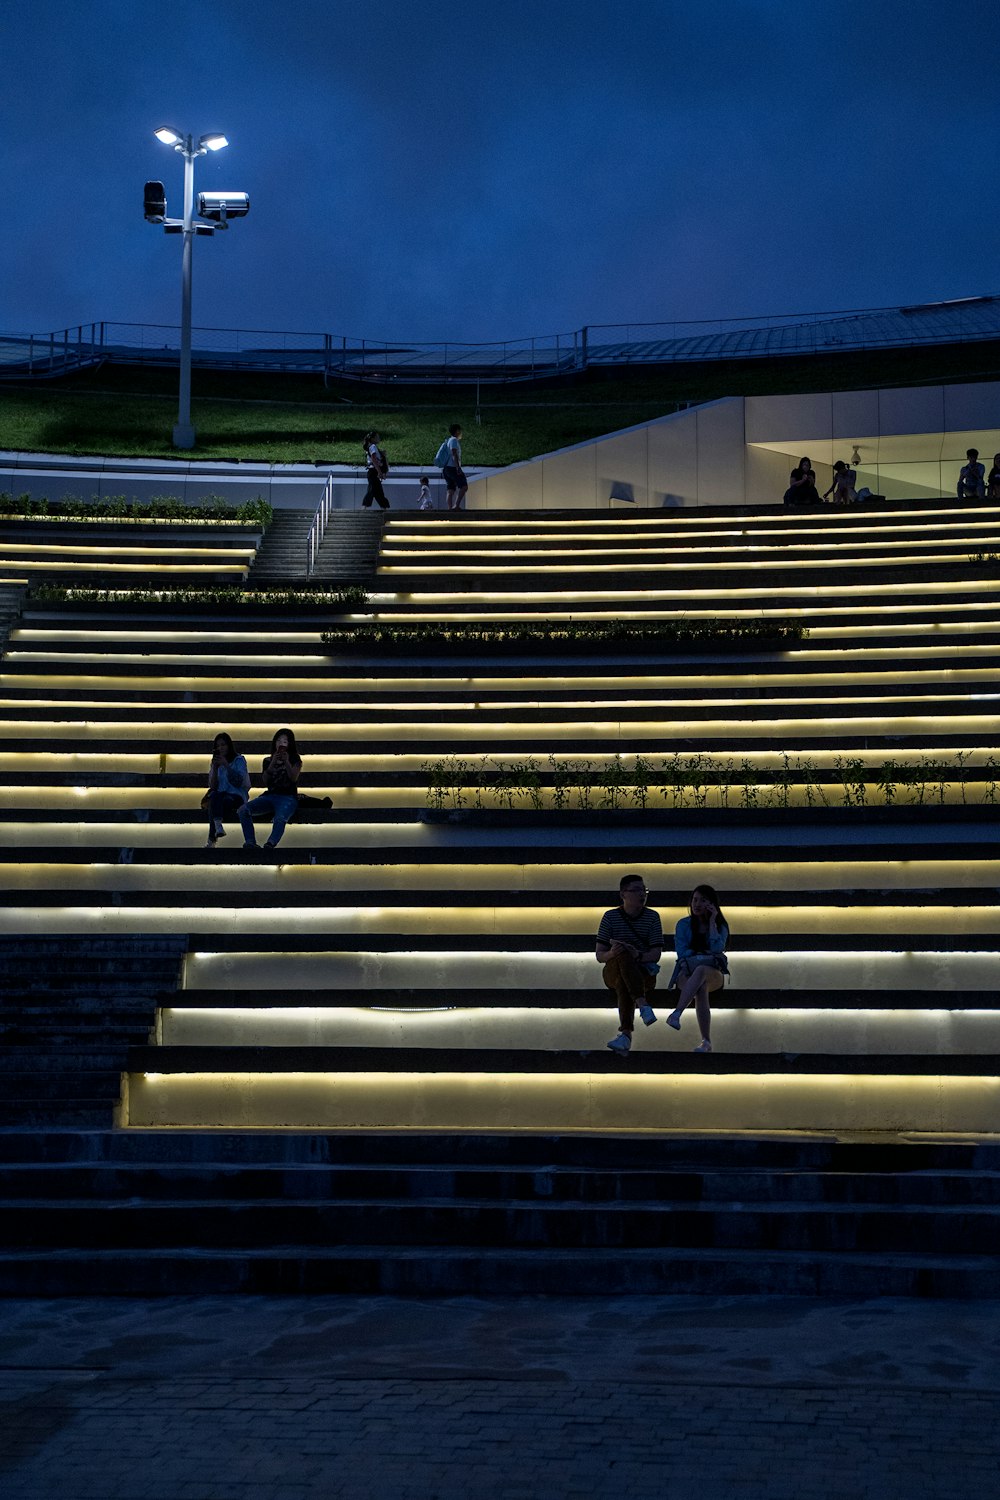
126 554
348 553
144 1214
410 999
70 1010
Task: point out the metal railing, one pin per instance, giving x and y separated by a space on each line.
38 355
500 361
316 531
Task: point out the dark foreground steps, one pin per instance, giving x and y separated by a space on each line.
440 1214
71 1008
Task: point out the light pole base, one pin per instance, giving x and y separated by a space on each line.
184 435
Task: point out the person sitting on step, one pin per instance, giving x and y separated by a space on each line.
629 943
700 939
282 769
228 786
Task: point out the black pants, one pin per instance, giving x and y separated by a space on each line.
375 490
222 803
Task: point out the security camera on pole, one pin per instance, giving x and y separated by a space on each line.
218 208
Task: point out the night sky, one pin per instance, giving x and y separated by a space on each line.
480 170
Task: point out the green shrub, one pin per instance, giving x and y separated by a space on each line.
662 635
224 595
257 512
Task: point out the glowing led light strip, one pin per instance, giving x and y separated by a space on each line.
144 567
833 518
147 553
718 565
483 535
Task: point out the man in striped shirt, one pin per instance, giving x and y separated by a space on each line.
629 944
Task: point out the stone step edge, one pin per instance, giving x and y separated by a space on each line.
426 1060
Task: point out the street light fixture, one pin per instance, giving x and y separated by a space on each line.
222 207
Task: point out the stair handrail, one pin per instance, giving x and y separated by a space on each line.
315 538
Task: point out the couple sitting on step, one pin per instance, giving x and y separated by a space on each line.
629 944
229 789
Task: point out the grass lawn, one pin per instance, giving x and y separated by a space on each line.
128 412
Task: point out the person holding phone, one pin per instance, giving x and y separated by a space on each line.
282 769
700 939
228 786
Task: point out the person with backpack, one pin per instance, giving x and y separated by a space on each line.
376 467
449 458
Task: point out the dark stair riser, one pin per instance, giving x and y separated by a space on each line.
214 1182
254 1225
441 1273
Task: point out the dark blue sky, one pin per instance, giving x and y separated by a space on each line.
500 167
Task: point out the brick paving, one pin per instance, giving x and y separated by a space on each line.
271 1414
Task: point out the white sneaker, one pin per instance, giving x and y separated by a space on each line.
647 1015
622 1044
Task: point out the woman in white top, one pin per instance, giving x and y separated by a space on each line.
843 486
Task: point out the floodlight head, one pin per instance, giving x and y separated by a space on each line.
154 202
214 140
168 135
223 206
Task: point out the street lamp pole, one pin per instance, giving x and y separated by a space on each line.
190 149
184 433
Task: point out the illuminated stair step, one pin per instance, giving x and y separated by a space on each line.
174 766
736 1029
474 736
771 895
281 970
694 704
766 570
49 693
227 912
536 1000
977 535
138 573
167 552
600 1092
479 523
128 887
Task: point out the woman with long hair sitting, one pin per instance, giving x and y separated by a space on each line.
282 769
702 966
228 786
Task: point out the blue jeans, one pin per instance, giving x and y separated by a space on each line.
277 805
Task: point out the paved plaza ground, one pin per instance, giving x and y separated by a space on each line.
300 1398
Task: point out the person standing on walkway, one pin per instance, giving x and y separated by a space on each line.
454 474
629 943
280 801
376 468
228 786
700 939
972 478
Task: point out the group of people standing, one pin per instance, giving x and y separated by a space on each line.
629 946
448 459
229 789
